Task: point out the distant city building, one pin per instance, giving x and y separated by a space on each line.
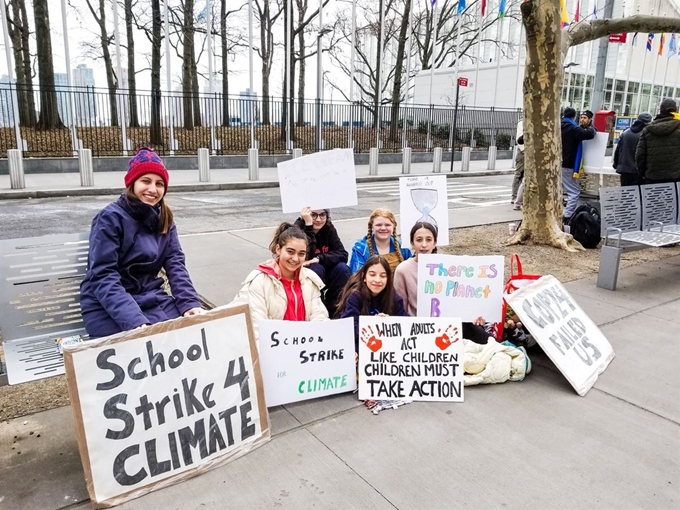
6 119
244 106
86 100
63 97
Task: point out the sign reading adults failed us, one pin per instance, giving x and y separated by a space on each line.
461 286
159 405
322 180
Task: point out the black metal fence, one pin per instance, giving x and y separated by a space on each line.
99 120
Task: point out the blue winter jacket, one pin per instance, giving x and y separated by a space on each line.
361 253
121 289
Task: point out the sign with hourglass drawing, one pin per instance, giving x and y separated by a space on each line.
424 198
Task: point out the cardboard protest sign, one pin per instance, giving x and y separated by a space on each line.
303 360
424 198
322 180
156 406
460 286
564 331
594 151
410 358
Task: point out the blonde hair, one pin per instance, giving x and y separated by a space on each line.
384 213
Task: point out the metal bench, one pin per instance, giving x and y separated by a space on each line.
39 302
621 215
660 207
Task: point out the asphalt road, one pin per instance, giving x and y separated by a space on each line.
201 212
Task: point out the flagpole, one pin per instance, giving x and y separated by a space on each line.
570 58
10 73
74 135
639 98
616 67
352 58
663 83
432 63
651 90
168 78
404 141
479 51
119 69
519 59
592 4
286 105
498 60
250 74
208 8
625 89
380 76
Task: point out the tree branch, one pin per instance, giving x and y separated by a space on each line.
591 30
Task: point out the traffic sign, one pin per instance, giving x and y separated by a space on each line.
462 82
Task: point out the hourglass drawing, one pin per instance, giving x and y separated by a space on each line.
425 200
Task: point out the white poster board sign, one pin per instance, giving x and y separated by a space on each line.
461 286
594 151
410 358
303 360
156 406
564 331
322 180
424 198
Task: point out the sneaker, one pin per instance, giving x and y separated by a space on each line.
512 201
517 207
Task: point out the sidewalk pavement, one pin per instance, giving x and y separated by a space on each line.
111 183
529 445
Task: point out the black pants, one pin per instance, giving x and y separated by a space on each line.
631 179
475 333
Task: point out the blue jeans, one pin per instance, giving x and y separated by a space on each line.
572 189
335 278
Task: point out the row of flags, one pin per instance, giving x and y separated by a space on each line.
462 5
672 44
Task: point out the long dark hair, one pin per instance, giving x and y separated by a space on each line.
166 217
428 226
284 233
356 283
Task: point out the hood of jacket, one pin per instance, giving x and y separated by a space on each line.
271 267
638 126
664 126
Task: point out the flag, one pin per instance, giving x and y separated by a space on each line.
461 6
565 15
672 48
501 9
483 8
595 10
577 14
650 38
661 43
635 39
432 3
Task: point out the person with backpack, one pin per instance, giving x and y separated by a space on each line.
573 135
585 226
624 155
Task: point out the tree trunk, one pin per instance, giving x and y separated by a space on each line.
225 67
196 99
398 71
28 71
156 135
132 85
266 53
188 44
15 28
302 11
284 98
378 61
49 112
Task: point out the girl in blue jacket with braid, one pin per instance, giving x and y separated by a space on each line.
131 240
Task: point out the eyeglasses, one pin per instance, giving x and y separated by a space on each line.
321 216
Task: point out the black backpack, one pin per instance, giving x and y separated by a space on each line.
585 226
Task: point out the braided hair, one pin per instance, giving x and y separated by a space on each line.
384 213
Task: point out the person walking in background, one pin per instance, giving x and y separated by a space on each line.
624 155
131 240
573 135
519 165
658 151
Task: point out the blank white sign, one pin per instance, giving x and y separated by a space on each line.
323 180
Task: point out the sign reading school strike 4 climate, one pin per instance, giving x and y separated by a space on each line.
410 358
564 331
460 286
303 360
159 405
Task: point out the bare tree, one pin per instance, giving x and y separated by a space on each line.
17 25
49 113
156 136
132 79
546 48
227 46
267 17
188 64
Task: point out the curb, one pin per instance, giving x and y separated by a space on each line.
225 186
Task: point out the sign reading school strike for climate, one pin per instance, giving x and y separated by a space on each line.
162 404
303 360
460 286
410 358
564 331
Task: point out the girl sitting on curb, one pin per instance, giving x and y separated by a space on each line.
381 239
131 240
281 288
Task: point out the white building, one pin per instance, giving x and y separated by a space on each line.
629 68
85 98
6 117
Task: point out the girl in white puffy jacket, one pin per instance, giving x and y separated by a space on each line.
281 288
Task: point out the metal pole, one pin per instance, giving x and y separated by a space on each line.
289 50
71 104
498 62
168 80
319 79
596 99
651 90
119 69
208 8
352 58
250 77
455 120
616 65
432 64
404 140
625 88
642 76
519 58
380 77
13 90
570 57
479 52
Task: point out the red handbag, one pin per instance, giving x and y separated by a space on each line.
517 280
